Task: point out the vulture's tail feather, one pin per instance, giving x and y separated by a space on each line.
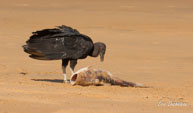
38 57
34 53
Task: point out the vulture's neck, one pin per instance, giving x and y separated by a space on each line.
95 51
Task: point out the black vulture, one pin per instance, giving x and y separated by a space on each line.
65 43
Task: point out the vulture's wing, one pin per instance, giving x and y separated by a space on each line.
59 43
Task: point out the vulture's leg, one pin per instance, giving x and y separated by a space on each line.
72 65
64 65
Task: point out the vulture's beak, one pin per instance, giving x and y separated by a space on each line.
102 57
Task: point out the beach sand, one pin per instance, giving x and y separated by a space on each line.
148 42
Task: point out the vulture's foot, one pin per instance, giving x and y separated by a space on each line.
66 81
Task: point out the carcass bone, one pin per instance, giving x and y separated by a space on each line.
87 76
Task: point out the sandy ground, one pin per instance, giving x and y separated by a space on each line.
148 41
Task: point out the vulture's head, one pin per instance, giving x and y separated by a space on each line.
99 49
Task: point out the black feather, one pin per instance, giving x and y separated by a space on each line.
62 42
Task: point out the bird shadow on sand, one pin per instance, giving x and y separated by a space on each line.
49 80
59 81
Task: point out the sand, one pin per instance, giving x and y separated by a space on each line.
148 42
